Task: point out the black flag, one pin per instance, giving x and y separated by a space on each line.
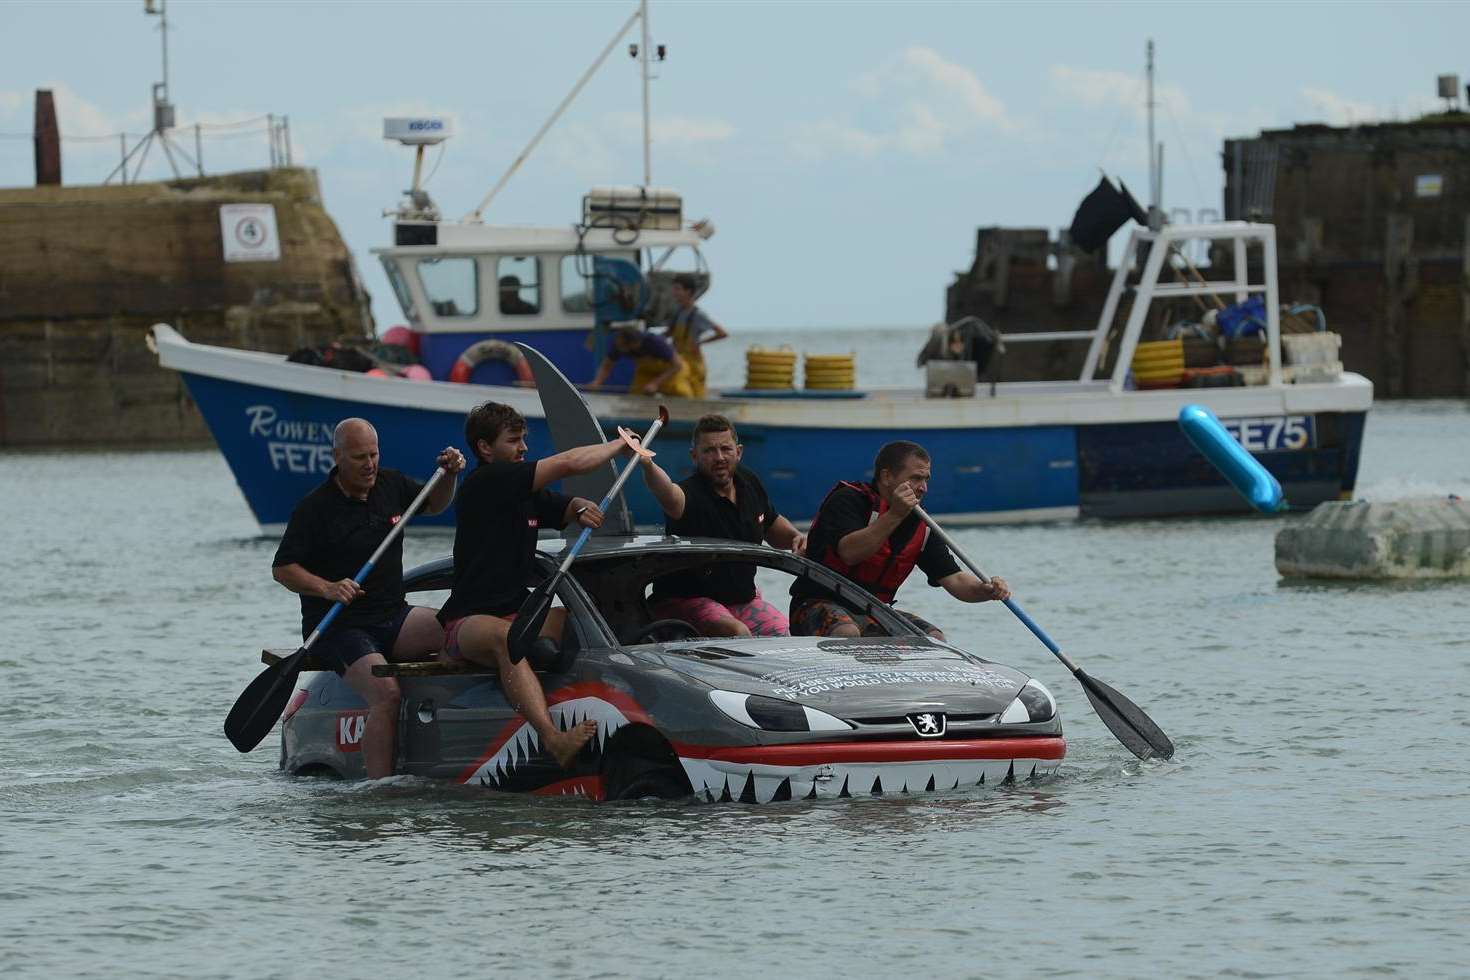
1103 212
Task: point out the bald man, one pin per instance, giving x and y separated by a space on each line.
333 531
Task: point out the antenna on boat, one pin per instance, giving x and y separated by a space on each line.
640 14
645 54
418 132
1155 154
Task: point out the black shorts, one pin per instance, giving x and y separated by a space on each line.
342 646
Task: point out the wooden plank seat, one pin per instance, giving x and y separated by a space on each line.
416 668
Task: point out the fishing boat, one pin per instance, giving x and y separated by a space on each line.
1098 445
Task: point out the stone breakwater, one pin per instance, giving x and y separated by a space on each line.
85 271
1364 540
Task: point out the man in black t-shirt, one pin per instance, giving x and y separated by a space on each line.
721 499
870 533
500 509
332 532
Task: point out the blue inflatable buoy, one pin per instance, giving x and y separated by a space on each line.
1245 474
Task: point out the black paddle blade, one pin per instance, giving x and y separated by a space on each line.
526 627
1126 720
259 705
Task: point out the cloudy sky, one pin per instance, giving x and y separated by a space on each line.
845 151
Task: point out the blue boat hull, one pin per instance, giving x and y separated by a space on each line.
278 444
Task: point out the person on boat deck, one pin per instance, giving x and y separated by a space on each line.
870 533
691 329
332 533
510 298
721 499
658 368
500 508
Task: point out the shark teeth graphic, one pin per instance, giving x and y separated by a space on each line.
766 787
524 745
713 780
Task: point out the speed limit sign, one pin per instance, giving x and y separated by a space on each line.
248 232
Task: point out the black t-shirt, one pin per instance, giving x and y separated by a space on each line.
497 517
846 510
708 514
331 535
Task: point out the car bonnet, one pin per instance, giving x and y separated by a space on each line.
850 677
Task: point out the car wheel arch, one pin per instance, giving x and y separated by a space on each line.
639 755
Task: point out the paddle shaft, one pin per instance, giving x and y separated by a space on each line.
648 437
1010 604
362 573
532 614
1126 720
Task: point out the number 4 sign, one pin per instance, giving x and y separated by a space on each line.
248 232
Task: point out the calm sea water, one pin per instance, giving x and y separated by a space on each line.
1315 822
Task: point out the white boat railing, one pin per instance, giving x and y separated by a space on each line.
1169 241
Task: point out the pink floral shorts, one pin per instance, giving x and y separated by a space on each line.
758 615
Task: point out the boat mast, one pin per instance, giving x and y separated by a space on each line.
1155 153
643 53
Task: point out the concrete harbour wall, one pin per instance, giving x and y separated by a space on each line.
85 271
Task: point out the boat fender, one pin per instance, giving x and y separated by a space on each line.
1254 482
491 350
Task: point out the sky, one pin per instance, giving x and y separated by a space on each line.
846 152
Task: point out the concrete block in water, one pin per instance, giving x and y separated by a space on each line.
1392 539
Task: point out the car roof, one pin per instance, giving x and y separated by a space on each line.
602 557
627 546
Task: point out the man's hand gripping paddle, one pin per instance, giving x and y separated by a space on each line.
532 614
259 705
1124 719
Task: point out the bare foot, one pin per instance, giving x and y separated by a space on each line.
564 746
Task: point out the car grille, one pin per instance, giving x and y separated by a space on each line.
903 720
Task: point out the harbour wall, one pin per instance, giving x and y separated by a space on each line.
1372 226
85 271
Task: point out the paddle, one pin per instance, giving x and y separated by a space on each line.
572 424
1124 719
259 705
532 615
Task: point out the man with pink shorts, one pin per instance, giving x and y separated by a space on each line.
720 499
498 516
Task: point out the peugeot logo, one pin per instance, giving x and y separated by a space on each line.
929 724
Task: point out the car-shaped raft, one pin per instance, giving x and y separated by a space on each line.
754 719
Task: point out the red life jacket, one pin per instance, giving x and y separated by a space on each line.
882 572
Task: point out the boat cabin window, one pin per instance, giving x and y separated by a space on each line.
519 281
665 264
576 283
452 285
400 289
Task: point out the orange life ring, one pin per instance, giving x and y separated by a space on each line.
491 350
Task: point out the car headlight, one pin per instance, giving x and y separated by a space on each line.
775 715
1033 703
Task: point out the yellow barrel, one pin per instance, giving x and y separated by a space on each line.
768 367
1158 364
830 372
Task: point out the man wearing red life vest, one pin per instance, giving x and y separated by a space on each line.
870 533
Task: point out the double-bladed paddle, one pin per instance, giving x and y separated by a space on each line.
259 705
532 615
1124 719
